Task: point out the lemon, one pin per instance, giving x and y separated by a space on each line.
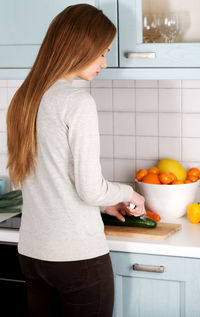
172 166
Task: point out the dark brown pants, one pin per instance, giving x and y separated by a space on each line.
71 289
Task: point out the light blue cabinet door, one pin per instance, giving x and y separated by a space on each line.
175 292
23 24
167 55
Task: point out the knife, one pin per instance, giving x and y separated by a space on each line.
143 217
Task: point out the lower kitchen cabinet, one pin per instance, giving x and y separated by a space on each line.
12 284
155 286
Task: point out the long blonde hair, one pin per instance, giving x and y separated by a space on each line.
75 38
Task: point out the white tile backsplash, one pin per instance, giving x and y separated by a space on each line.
3 120
187 165
169 83
123 83
191 149
123 99
124 123
11 92
107 166
191 125
14 83
169 100
3 97
146 164
146 100
3 142
140 122
3 83
170 124
147 124
170 148
124 170
106 144
146 83
105 122
101 83
147 148
3 169
191 100
191 84
103 98
124 147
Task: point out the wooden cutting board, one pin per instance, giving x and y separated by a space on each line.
161 232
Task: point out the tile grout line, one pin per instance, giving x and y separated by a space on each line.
135 159
158 111
181 121
113 132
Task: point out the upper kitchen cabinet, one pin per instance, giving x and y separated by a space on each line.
163 35
155 40
23 25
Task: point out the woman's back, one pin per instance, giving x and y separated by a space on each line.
57 224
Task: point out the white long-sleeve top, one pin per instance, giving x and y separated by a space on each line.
61 218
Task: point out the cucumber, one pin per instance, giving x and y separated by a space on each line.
11 195
10 210
130 221
11 203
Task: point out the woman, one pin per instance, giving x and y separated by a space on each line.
53 151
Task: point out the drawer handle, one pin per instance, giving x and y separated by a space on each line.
11 280
140 55
148 268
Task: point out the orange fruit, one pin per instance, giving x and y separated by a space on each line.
187 181
193 172
174 178
151 179
192 178
165 178
140 174
177 182
154 170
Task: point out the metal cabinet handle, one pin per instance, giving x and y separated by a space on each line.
140 55
11 280
148 268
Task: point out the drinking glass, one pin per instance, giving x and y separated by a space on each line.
151 32
169 27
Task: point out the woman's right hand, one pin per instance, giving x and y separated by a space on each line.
138 200
123 208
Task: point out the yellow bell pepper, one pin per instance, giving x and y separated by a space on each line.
193 212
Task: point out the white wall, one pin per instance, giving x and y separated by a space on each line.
140 122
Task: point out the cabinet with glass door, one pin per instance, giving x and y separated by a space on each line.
163 35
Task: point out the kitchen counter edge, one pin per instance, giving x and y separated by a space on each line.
184 243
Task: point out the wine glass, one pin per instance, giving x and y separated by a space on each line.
169 27
151 31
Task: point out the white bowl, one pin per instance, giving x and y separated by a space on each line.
169 201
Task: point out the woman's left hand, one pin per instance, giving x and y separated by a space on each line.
118 210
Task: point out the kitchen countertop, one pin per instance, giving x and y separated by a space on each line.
184 243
